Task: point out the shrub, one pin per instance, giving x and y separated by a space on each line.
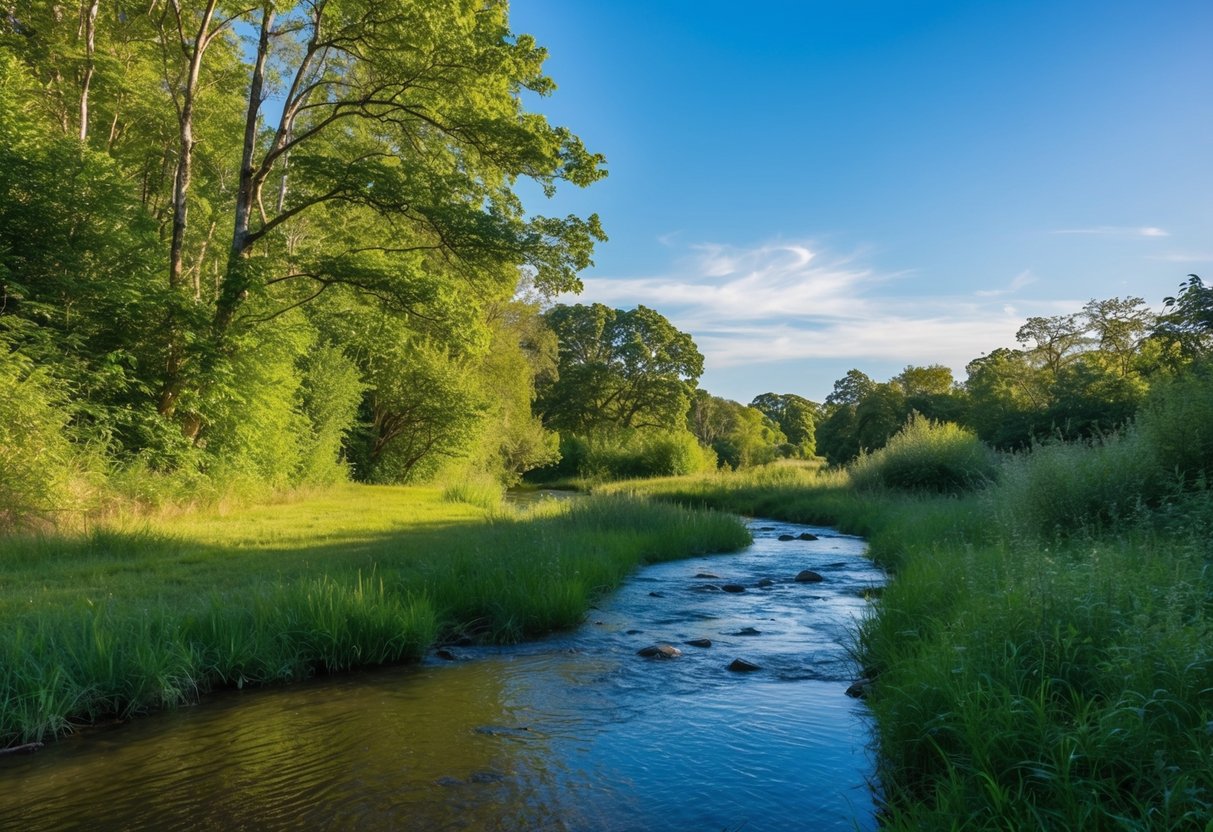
927 456
1059 488
38 460
1176 425
331 392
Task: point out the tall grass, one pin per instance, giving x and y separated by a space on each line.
118 621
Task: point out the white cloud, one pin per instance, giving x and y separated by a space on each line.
1116 231
791 301
1024 278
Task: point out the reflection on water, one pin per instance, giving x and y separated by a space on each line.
572 733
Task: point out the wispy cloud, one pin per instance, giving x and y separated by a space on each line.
789 301
1024 278
1117 231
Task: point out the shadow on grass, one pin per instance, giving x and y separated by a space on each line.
119 622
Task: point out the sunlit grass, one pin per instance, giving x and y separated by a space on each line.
137 615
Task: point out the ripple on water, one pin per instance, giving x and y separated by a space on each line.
572 733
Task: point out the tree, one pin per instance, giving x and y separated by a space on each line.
1054 341
1186 324
879 415
1007 399
627 369
838 432
1119 326
850 389
741 436
795 415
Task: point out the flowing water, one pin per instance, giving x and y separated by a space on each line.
575 732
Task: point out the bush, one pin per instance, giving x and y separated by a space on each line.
1060 488
927 456
1176 426
36 477
629 454
331 392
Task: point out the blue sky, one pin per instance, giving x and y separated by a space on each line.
807 187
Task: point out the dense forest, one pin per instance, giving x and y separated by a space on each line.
254 247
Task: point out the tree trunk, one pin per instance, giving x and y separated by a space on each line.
90 39
235 287
185 152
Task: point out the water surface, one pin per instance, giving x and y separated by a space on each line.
575 732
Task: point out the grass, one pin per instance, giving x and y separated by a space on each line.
136 615
1026 676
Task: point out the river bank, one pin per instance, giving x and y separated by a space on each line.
1022 677
574 731
127 618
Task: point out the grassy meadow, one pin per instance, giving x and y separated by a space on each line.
132 614
1043 655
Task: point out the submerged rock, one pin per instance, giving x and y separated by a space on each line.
659 651
859 688
808 576
705 588
444 653
656 594
806 536
765 582
733 588
707 576
743 666
700 642
486 777
748 631
787 537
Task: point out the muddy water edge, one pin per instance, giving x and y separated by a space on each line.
574 732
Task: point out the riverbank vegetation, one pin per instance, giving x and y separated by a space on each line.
1043 655
147 613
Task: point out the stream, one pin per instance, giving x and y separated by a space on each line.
573 732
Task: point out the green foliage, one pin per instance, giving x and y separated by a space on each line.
1186 325
331 391
39 462
740 436
1176 425
927 456
256 432
522 349
613 455
424 407
618 369
1059 489
796 416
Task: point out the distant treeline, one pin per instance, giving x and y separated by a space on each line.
1076 376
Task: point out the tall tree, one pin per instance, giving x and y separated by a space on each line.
629 369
